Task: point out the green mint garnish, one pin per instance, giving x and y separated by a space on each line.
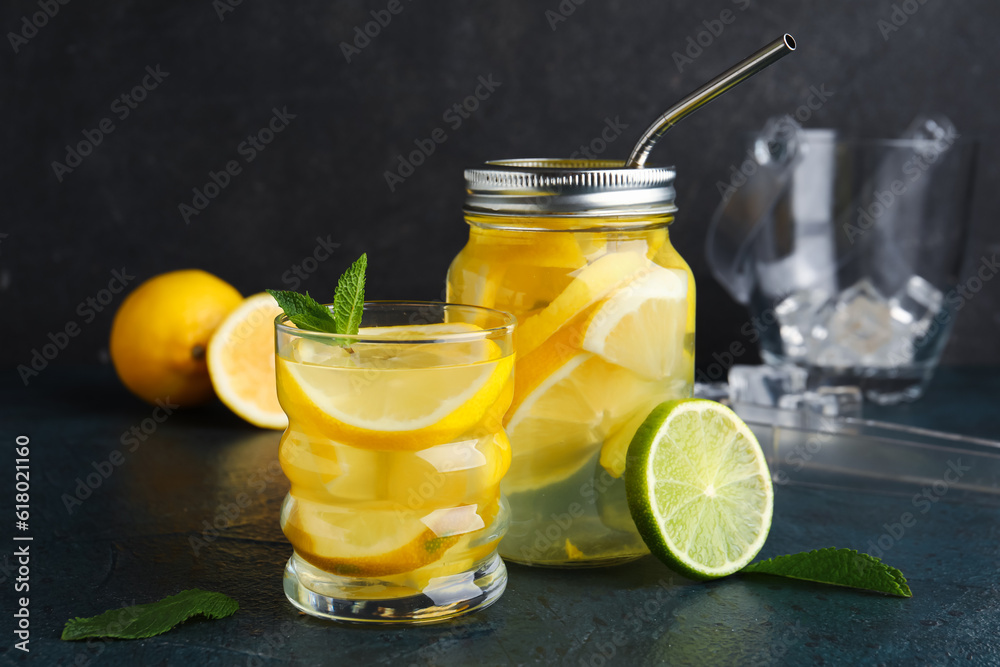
155 618
304 311
838 567
348 304
349 299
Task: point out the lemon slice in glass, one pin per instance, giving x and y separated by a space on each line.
395 395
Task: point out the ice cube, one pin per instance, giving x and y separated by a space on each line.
318 352
798 315
765 385
839 401
713 391
861 321
832 355
915 306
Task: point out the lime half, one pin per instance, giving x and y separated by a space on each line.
698 488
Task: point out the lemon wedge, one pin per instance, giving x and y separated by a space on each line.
588 286
642 325
558 427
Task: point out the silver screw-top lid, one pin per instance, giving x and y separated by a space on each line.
554 187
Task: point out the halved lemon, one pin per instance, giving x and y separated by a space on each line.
395 396
641 326
241 362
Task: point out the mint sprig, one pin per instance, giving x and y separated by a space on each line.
837 567
304 311
348 304
155 618
349 299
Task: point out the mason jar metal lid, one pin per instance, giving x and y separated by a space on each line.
556 187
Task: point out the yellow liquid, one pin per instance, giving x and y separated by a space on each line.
395 457
565 485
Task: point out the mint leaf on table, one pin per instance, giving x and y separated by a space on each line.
147 620
349 300
304 311
839 567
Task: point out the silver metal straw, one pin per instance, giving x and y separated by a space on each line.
720 84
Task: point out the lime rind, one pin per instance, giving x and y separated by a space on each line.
698 488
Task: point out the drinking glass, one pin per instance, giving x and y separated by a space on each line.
395 452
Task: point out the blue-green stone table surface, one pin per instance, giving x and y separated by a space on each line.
139 536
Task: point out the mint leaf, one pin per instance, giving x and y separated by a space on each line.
147 620
304 311
349 300
839 567
348 305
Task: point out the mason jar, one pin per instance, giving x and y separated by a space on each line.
579 252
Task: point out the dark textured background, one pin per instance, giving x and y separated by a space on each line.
323 175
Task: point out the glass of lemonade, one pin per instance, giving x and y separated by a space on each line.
579 252
395 451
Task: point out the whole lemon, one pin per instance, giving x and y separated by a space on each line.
161 331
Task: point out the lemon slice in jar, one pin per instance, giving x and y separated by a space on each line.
641 326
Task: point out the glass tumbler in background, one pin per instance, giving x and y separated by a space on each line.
395 452
579 252
848 259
